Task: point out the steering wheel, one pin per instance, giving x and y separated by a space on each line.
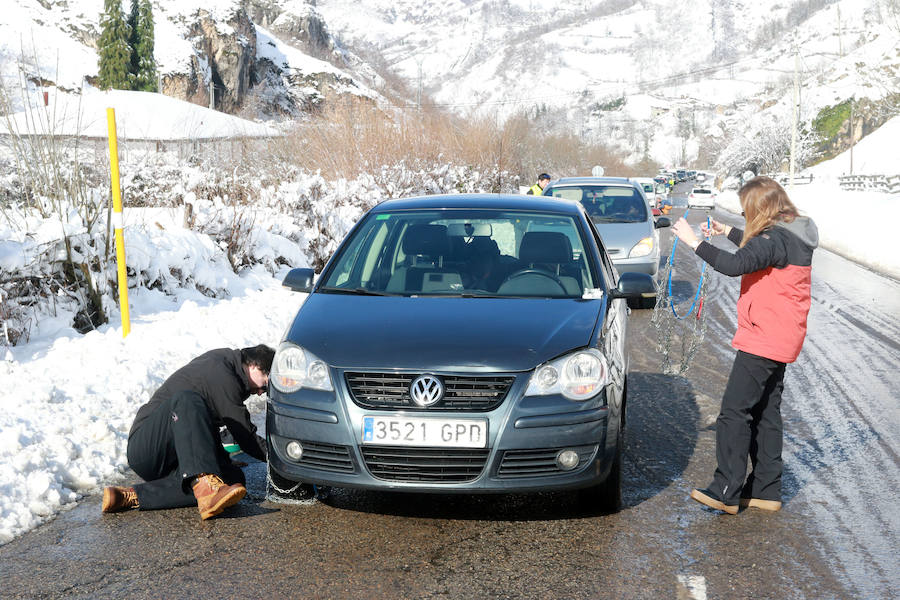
533 271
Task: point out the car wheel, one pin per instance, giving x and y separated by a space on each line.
607 496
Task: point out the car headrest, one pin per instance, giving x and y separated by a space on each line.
426 240
545 247
484 246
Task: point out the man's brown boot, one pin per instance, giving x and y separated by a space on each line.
214 496
117 499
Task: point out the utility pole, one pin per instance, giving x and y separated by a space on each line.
840 39
852 102
212 94
419 87
795 115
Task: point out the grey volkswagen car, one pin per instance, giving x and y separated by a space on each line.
458 344
619 209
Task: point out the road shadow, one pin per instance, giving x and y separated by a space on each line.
682 290
662 430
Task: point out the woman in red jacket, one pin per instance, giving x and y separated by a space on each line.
774 260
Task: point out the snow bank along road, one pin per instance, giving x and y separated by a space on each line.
835 538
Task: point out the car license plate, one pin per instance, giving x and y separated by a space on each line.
411 431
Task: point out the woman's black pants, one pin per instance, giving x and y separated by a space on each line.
749 424
177 442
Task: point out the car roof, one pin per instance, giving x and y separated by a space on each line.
490 201
623 181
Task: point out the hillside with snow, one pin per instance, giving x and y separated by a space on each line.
51 44
655 78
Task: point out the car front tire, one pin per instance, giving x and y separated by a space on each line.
606 497
288 489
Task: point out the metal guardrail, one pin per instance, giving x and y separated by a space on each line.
798 179
889 184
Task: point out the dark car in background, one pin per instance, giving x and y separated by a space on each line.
458 344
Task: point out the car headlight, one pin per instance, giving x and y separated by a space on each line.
642 248
294 368
578 376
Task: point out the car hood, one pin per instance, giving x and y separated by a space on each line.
620 238
432 333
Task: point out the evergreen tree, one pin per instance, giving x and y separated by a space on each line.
133 41
113 47
143 65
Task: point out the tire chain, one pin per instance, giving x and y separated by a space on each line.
283 495
690 330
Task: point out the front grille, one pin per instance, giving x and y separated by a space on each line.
432 465
540 462
326 457
390 391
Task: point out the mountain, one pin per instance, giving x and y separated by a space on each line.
262 59
660 78
675 83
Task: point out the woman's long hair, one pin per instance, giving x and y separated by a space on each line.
764 203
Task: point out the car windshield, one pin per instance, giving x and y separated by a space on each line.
606 203
465 252
702 191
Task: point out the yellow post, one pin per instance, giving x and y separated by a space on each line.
117 221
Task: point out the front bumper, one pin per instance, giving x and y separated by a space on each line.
524 437
645 264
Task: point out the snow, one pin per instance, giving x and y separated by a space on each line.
70 398
68 439
139 116
853 224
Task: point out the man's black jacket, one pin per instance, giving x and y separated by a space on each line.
219 378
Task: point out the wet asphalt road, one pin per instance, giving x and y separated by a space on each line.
837 536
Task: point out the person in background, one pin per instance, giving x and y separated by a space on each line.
174 443
538 188
774 260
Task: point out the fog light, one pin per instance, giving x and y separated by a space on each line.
567 460
295 450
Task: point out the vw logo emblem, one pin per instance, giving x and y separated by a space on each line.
426 390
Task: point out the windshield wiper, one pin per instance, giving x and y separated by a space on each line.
354 291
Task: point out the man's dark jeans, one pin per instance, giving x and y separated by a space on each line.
177 442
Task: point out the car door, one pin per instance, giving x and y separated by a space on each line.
614 325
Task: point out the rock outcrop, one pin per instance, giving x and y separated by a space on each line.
225 55
303 28
256 83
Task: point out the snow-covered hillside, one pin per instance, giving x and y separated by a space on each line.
686 71
658 79
52 44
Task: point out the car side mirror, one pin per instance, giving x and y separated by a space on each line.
662 222
634 285
299 280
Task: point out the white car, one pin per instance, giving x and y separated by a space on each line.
702 197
